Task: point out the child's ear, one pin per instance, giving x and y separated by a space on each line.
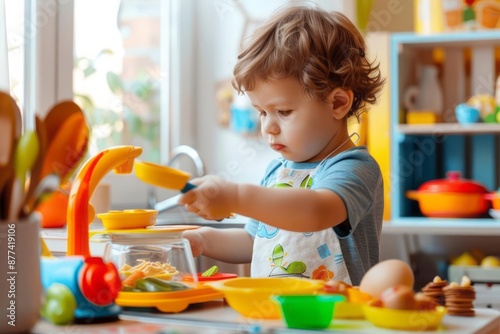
341 102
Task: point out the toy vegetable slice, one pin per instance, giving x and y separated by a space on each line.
210 271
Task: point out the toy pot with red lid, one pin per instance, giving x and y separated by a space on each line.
453 197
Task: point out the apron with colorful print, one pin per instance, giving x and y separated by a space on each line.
281 253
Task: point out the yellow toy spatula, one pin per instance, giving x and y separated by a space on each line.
163 176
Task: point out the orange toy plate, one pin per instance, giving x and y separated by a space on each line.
214 277
176 301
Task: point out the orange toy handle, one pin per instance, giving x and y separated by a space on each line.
80 212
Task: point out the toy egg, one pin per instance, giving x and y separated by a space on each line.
386 274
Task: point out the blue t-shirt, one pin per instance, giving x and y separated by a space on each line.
355 176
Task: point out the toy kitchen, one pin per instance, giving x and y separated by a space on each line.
146 280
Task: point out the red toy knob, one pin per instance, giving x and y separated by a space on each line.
100 282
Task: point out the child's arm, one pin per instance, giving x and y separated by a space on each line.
294 209
228 245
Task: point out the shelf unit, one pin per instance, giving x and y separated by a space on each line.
467 66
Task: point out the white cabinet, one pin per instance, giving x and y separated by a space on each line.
467 66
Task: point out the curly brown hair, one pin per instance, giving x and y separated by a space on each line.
323 50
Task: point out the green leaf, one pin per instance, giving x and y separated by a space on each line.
87 103
296 267
278 255
105 52
89 70
115 83
210 271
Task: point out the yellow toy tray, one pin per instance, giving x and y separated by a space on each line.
174 302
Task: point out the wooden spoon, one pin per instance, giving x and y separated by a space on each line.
24 157
8 131
57 115
67 147
36 171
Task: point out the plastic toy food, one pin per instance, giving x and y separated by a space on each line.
149 268
337 287
460 298
386 274
398 297
153 284
55 296
210 271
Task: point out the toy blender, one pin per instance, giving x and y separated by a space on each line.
79 287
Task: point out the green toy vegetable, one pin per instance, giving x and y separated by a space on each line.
153 284
210 271
59 305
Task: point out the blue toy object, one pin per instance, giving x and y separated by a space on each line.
80 290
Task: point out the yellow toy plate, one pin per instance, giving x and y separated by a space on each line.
128 219
161 176
353 307
139 232
175 301
404 319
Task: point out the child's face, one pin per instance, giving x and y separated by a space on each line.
299 128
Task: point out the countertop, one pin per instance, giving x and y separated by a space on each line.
218 317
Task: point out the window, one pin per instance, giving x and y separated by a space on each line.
14 24
120 61
118 72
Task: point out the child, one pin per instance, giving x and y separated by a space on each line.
318 211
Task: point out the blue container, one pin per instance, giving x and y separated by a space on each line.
467 114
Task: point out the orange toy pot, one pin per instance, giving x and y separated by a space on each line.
452 197
495 200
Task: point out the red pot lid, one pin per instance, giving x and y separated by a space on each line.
453 183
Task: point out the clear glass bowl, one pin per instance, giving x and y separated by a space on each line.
164 255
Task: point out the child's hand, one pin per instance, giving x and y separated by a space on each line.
195 241
212 199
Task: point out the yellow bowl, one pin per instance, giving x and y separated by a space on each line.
404 319
128 219
251 297
352 308
348 310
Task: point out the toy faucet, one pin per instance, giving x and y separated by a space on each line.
80 211
80 287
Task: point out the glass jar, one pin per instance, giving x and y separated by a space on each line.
164 255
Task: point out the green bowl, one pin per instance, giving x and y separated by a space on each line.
308 311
